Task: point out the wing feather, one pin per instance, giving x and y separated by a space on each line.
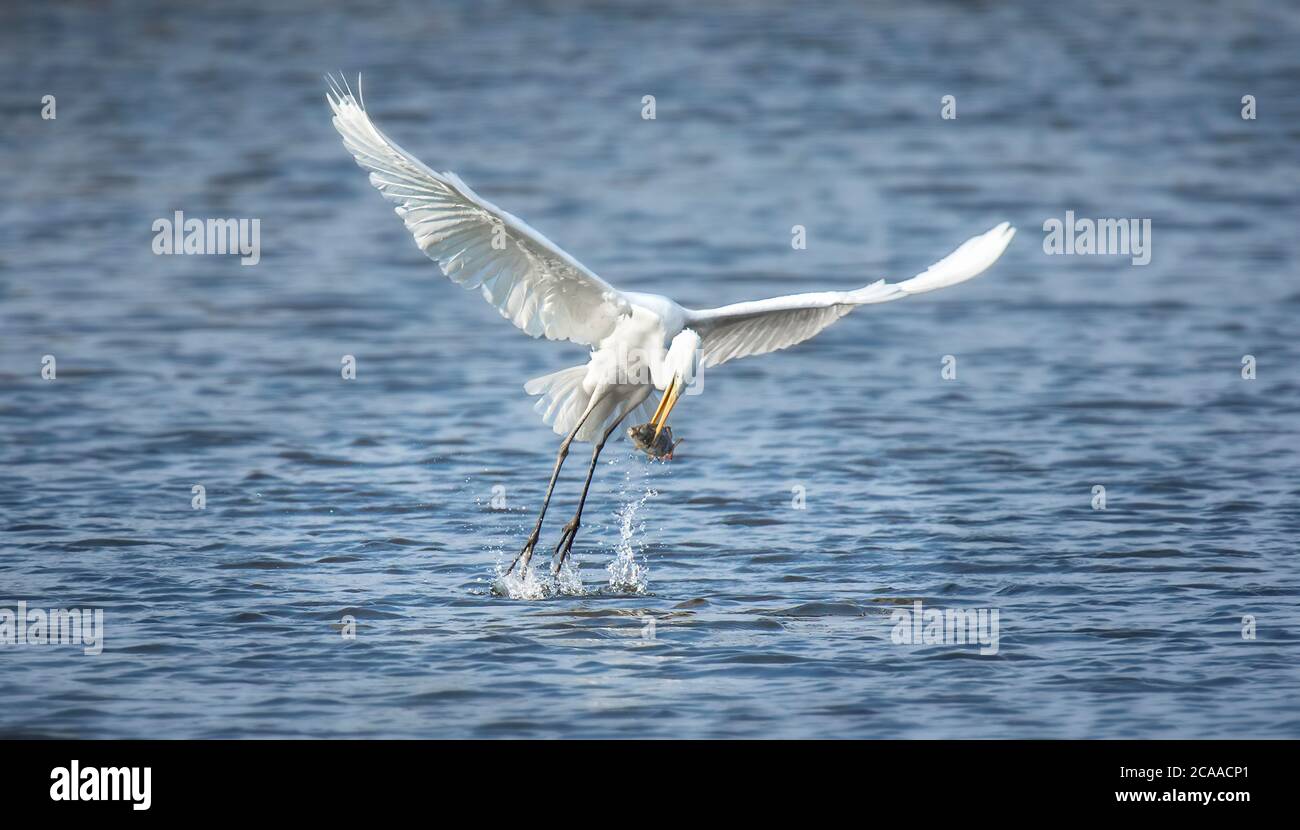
762 326
528 278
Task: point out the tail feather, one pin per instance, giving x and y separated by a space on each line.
564 397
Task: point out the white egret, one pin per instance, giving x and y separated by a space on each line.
639 342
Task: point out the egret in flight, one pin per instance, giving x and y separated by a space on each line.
639 342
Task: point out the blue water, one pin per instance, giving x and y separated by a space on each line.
374 497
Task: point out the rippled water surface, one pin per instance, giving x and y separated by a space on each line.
703 602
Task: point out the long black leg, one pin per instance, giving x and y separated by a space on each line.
571 528
527 553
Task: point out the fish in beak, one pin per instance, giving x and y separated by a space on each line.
661 449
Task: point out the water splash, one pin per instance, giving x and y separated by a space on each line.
523 583
536 581
628 572
568 581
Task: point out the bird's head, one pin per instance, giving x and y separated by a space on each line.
680 367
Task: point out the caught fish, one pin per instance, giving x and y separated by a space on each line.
643 438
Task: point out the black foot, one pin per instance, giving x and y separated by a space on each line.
565 544
524 555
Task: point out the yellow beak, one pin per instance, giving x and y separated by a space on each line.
666 404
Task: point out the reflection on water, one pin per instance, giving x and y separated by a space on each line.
373 497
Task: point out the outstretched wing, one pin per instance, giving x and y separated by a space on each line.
763 326
528 278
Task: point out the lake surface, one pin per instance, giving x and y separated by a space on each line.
818 490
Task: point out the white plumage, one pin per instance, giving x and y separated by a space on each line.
545 291
761 326
639 342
